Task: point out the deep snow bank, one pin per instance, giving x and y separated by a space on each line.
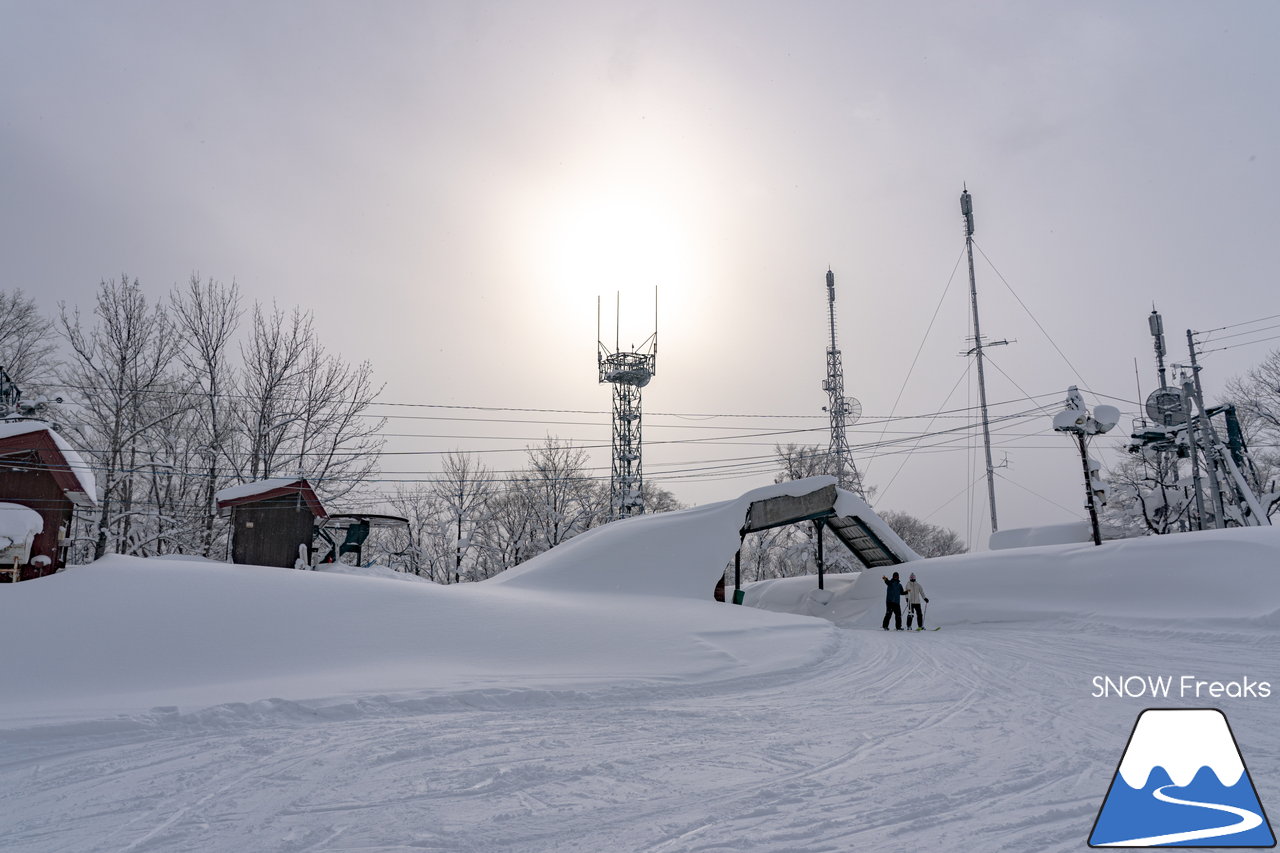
674 553
630 602
1214 574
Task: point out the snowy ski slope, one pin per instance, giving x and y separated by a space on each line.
165 705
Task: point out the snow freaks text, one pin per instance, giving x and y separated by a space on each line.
1178 687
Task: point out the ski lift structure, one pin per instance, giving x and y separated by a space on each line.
345 535
864 533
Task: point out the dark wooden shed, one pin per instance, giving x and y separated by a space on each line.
270 519
40 470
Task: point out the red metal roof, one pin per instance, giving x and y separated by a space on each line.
296 487
51 459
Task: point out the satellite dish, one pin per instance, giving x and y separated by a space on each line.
1164 407
1106 416
1068 420
852 410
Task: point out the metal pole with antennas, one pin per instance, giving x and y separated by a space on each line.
966 209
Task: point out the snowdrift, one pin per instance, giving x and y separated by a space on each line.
624 605
676 553
630 602
1214 574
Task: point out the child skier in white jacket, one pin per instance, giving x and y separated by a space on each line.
915 594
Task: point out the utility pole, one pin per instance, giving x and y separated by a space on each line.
1211 446
966 208
1188 392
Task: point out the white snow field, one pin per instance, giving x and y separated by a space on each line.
597 699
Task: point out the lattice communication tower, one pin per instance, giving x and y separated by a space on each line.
628 372
844 411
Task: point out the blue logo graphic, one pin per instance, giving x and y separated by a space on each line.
1182 783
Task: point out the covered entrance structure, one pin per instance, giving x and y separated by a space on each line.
849 518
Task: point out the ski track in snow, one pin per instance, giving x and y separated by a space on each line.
976 737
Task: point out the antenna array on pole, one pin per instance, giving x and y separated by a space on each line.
627 371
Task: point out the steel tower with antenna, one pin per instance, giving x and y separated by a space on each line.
966 209
628 372
844 411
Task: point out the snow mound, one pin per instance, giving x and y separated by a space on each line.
677 553
1212 574
125 634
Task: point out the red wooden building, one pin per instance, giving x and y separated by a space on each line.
40 470
270 519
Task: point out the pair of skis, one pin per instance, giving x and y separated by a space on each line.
925 612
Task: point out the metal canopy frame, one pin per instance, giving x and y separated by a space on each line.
817 507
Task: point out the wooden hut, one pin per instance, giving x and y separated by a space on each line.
41 472
270 519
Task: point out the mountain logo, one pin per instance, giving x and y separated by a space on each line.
1182 783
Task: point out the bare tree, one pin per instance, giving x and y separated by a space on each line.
207 316
1148 495
562 499
424 546
506 538
1257 398
27 345
303 411
120 375
927 540
336 443
464 489
273 361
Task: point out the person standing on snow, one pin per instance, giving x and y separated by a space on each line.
892 601
915 593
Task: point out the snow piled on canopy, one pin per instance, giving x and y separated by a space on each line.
257 487
18 524
82 472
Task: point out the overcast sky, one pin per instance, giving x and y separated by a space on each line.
450 186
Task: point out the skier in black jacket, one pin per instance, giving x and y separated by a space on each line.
893 601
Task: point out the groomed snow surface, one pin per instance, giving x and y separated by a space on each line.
597 699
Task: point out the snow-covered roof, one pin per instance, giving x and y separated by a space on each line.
270 488
257 487
78 468
18 524
1046 534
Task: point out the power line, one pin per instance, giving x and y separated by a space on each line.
1241 344
1237 325
901 390
1046 334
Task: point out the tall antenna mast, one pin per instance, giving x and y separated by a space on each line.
843 410
966 208
627 372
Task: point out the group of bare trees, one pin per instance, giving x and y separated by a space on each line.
470 523
173 399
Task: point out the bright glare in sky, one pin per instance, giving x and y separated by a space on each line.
627 241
